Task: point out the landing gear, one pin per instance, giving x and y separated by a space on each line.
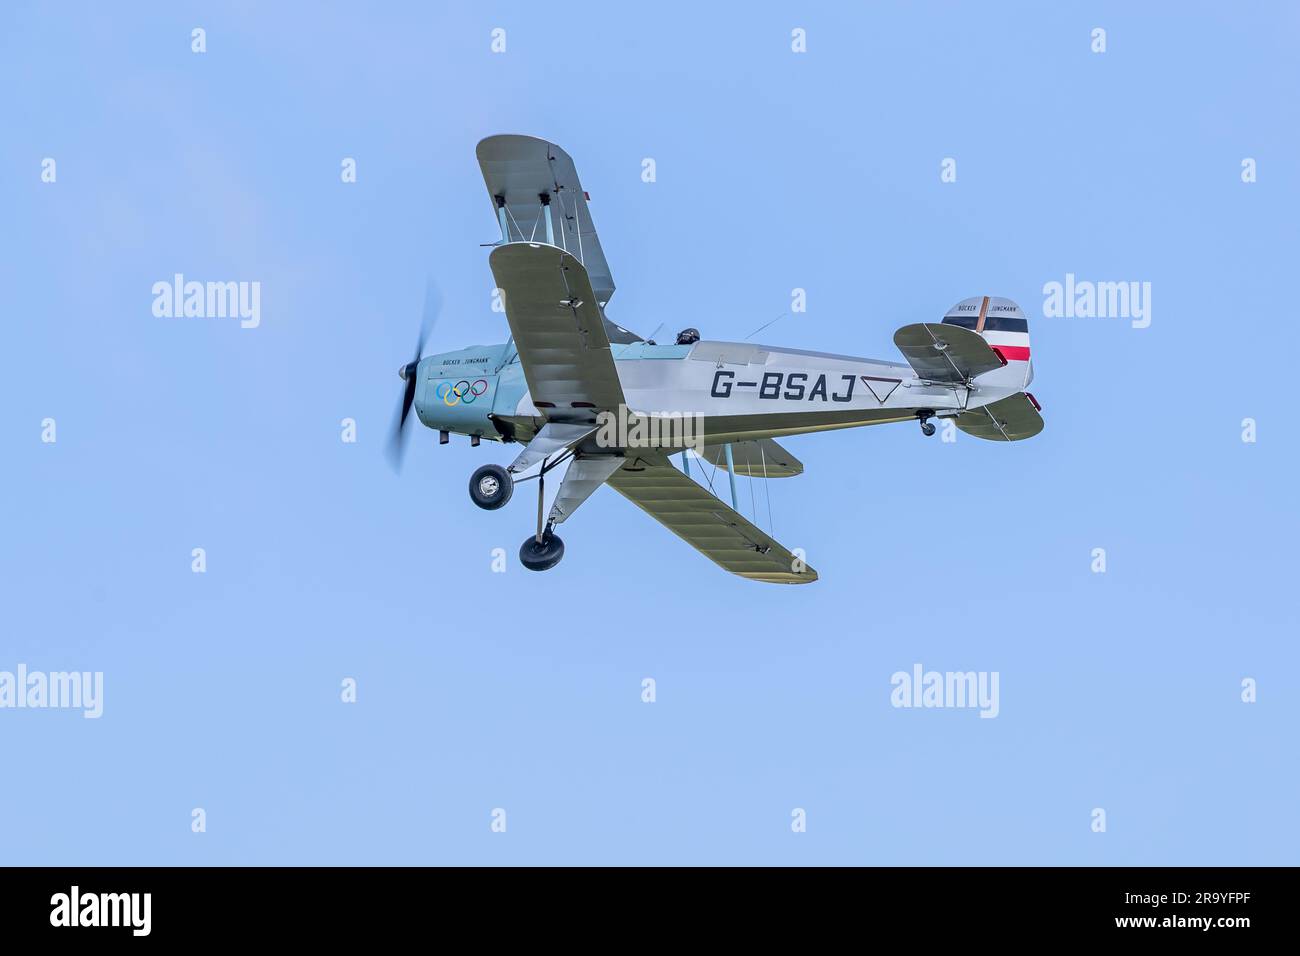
543 554
490 487
542 551
926 428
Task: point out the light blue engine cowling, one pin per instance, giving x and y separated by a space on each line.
459 391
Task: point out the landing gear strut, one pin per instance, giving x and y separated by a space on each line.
541 551
926 428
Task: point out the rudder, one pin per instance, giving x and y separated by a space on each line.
1003 325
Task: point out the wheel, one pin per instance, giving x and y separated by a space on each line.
544 556
927 429
491 487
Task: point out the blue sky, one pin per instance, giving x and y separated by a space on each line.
775 171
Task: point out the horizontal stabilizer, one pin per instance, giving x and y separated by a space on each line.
946 353
1009 419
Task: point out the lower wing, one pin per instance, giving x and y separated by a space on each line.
694 514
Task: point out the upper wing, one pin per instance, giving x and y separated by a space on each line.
558 331
945 353
537 197
696 516
762 458
1008 419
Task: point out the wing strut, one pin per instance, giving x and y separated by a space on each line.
731 475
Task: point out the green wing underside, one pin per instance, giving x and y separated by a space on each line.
699 518
1013 418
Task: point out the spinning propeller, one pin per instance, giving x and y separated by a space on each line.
397 441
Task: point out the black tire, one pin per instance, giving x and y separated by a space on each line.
927 429
543 556
490 487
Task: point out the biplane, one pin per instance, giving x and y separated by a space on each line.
567 371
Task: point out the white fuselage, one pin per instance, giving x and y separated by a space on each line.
735 390
743 390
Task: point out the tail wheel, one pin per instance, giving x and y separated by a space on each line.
541 555
490 487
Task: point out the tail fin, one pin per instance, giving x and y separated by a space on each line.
1003 325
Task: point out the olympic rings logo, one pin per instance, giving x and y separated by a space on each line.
461 392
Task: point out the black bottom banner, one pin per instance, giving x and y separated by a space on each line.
335 905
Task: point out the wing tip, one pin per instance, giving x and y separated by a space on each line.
806 576
501 147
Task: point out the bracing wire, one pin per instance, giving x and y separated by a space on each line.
624 349
518 228
762 327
